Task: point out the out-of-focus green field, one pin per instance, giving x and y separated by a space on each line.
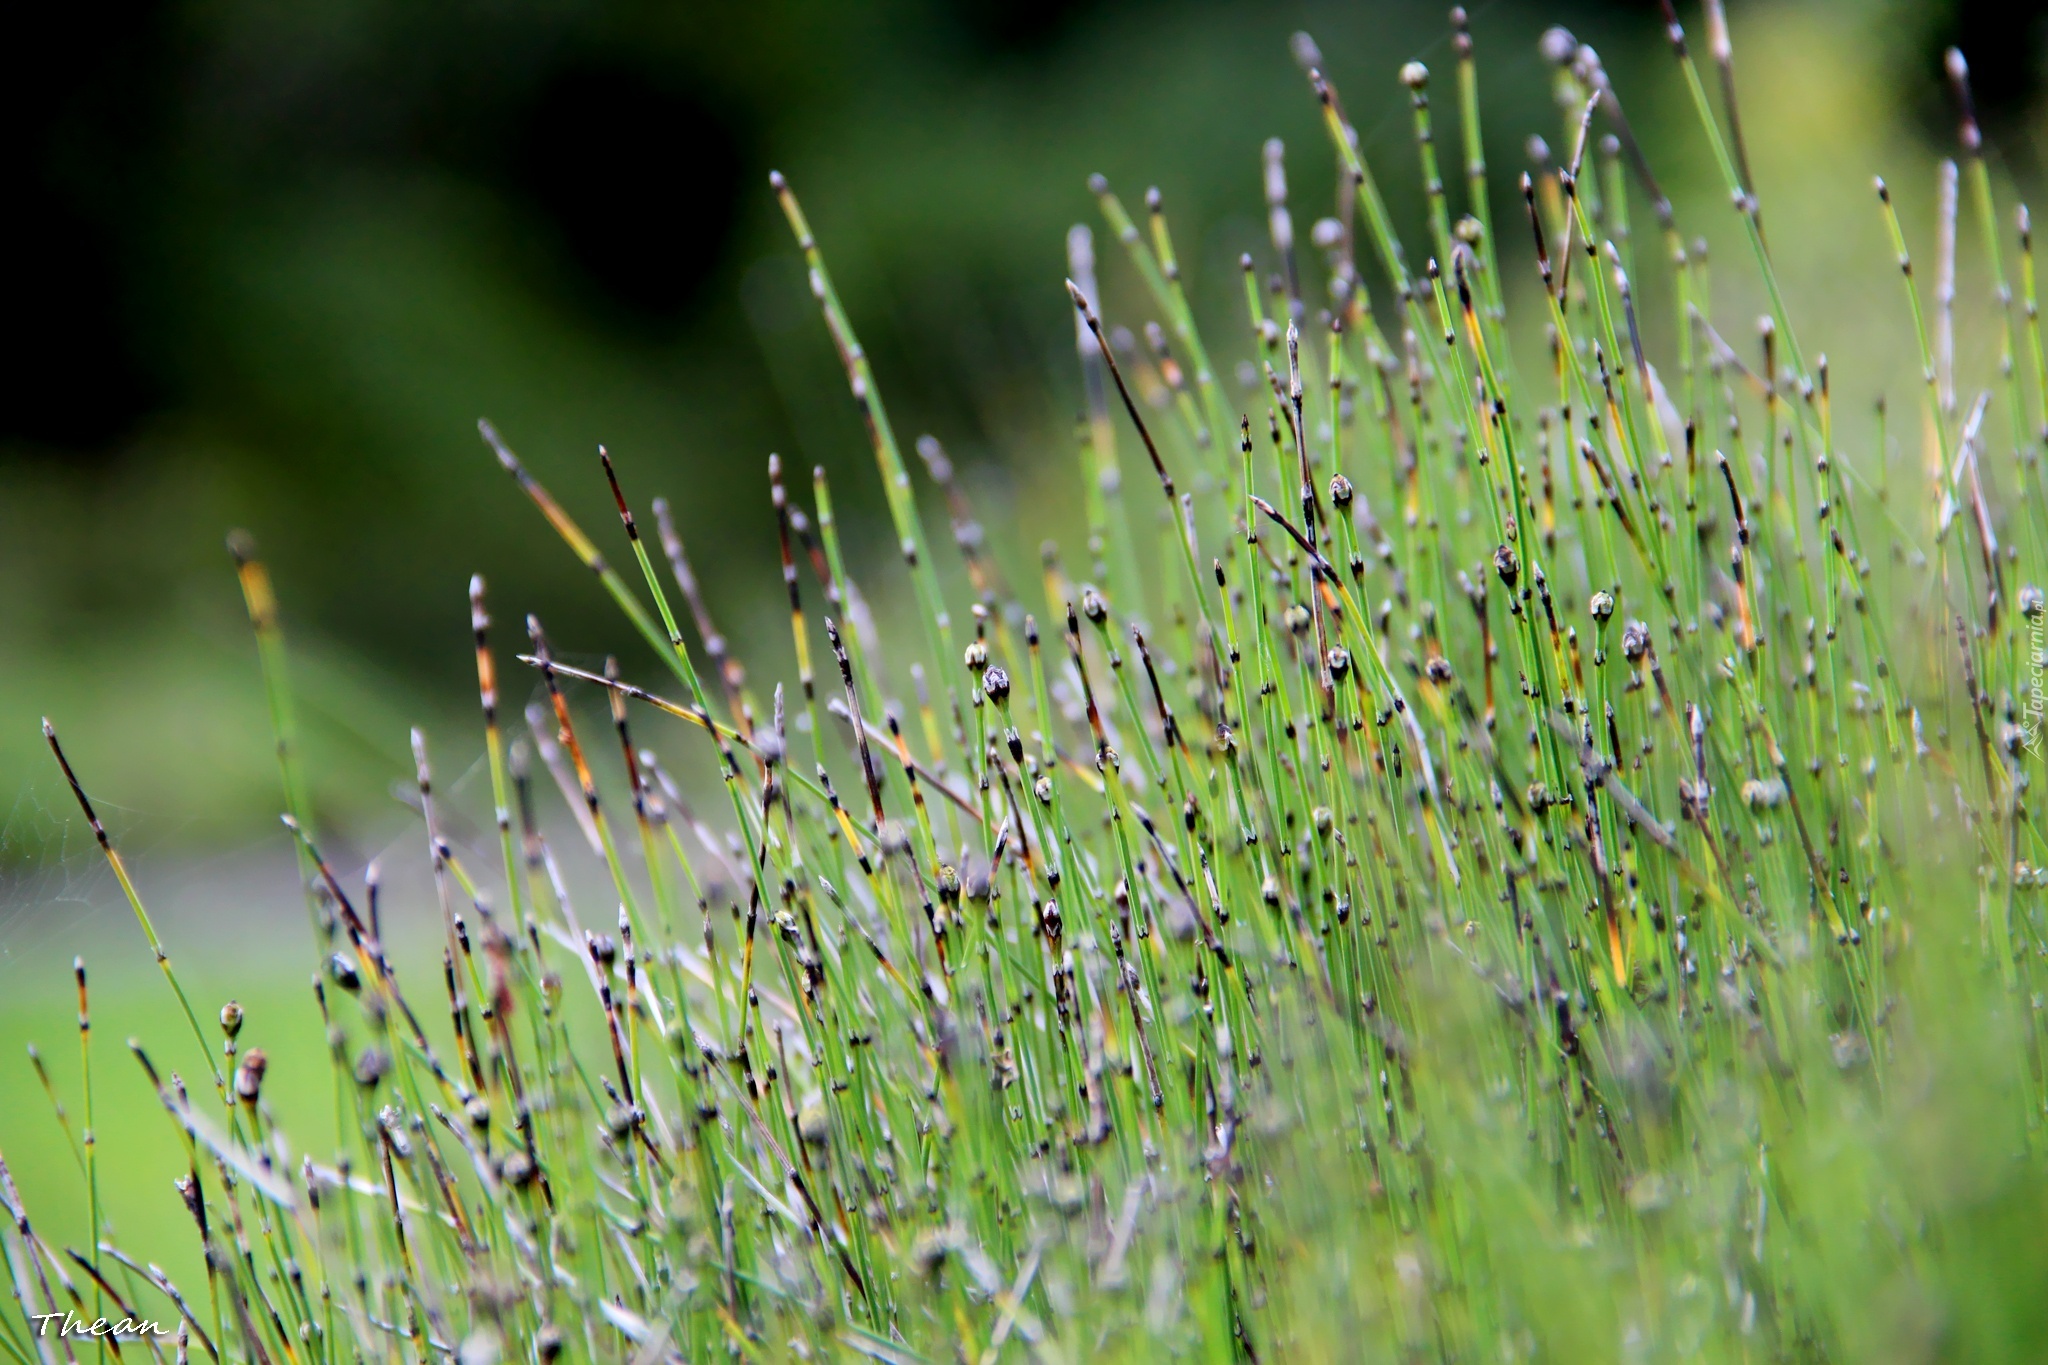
327 298
139 1155
236 930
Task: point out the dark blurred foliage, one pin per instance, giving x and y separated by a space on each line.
77 103
267 263
2005 42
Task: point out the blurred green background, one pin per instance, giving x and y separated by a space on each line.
267 263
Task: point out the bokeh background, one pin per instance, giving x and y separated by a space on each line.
265 264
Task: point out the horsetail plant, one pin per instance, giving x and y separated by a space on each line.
1541 866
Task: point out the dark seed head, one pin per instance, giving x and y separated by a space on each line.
928 1253
1507 565
518 1172
343 973
249 1075
371 1067
619 1120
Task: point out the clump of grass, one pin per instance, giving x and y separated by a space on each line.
1498 862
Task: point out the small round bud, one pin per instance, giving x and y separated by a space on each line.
2032 601
1093 607
479 1111
518 1172
928 1252
1339 660
343 973
1296 619
1558 46
249 1075
977 656
996 683
1415 75
1438 669
1635 641
371 1067
1763 793
231 1019
1507 565
1340 492
604 950
1043 790
1602 606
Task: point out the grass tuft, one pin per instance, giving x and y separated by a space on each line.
1497 861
